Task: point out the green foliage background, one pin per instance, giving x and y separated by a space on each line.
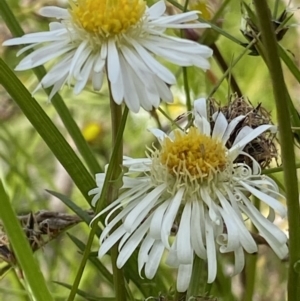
28 167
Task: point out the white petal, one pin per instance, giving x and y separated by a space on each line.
159 134
111 240
184 248
276 205
245 237
84 75
24 49
172 259
144 250
239 260
132 243
197 225
115 220
262 223
170 216
136 216
200 113
200 107
57 86
113 64
163 90
130 92
76 58
54 12
55 26
38 37
97 80
59 71
175 19
99 63
212 209
211 252
154 259
274 236
255 133
43 55
232 125
220 126
184 277
232 242
153 64
156 222
117 89
156 10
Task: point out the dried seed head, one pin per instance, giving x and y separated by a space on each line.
263 148
39 228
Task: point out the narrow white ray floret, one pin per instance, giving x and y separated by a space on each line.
117 38
192 183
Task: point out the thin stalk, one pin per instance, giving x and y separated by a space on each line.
226 73
32 275
286 142
113 162
276 169
250 272
187 91
113 192
185 76
223 65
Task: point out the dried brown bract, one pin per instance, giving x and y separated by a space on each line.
263 148
40 228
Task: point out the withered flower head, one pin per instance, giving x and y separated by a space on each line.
39 228
262 148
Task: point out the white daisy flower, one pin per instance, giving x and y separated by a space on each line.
192 182
119 38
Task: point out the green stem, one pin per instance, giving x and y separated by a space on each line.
226 73
113 165
250 266
250 273
57 101
223 65
276 169
113 192
185 76
187 91
19 243
286 142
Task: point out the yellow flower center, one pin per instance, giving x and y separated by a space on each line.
107 17
193 154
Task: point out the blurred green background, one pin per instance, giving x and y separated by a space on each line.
28 167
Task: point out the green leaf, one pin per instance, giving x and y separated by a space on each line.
94 260
85 295
47 130
22 250
76 209
289 63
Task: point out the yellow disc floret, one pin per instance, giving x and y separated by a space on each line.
107 17
193 153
